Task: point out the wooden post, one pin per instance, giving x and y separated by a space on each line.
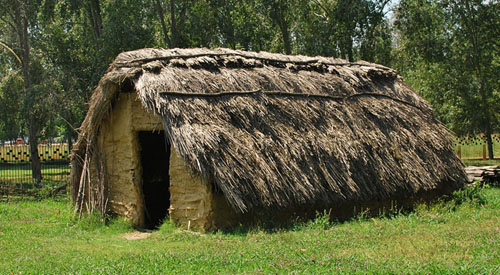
459 151
484 151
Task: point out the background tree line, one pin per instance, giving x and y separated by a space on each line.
53 52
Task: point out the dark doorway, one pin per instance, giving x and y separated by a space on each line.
155 157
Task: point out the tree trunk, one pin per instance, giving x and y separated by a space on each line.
173 25
97 17
345 45
22 32
94 14
70 142
277 12
486 116
161 15
36 167
286 36
489 144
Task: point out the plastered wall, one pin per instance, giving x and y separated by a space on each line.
116 143
192 201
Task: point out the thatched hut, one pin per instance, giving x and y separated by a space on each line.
215 137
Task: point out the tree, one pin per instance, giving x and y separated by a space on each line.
78 40
476 27
281 14
170 39
252 27
356 29
449 51
161 16
18 15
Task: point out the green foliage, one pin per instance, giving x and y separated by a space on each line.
252 28
472 195
119 224
102 223
90 222
124 29
167 226
10 97
322 220
46 191
351 29
447 51
421 24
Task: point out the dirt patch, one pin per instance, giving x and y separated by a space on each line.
136 235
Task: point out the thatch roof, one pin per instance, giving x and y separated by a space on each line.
280 131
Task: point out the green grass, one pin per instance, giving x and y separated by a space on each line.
470 162
451 238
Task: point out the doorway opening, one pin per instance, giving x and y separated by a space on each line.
155 161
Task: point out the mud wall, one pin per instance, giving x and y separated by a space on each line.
192 200
115 142
191 196
119 146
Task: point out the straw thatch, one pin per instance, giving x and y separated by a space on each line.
276 131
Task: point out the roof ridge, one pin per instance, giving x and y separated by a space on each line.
141 61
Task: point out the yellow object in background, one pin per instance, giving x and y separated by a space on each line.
21 152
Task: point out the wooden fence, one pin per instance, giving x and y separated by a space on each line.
475 147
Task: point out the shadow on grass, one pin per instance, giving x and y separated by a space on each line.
470 195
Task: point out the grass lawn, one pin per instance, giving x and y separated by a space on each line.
469 162
42 237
